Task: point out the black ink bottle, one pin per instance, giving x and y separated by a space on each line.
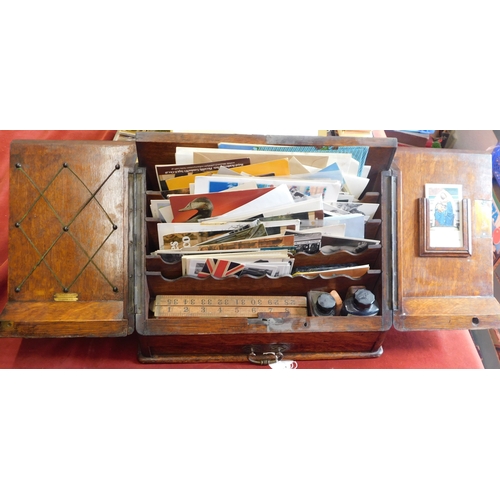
325 305
321 304
362 303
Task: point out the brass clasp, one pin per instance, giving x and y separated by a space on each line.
266 358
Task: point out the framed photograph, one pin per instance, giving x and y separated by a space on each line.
444 221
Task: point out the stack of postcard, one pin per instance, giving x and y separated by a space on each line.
248 209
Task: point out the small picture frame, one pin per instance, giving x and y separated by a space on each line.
444 221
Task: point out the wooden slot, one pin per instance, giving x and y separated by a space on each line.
191 337
248 285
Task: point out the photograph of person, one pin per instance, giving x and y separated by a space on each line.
445 214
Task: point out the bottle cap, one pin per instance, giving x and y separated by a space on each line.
325 303
363 299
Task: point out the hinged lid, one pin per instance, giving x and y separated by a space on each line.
69 239
445 283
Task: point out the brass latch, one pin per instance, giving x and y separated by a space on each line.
266 358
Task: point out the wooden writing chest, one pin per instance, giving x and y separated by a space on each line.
81 236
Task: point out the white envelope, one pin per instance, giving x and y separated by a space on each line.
275 198
355 185
331 188
368 209
366 171
337 230
343 160
296 207
155 205
354 223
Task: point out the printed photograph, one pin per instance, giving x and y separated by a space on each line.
194 208
445 201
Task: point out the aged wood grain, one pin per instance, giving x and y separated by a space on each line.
201 338
443 291
68 233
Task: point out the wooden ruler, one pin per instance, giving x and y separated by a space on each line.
227 306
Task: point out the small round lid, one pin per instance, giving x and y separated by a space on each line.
363 299
325 303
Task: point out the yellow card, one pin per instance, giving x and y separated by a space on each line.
276 167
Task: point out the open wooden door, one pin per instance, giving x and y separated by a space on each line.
444 276
69 239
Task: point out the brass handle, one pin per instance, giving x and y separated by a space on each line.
266 358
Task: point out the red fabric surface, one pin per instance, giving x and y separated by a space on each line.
432 349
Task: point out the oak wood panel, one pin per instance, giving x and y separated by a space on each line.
63 319
449 291
441 276
372 229
234 344
306 325
447 313
68 233
68 226
154 355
